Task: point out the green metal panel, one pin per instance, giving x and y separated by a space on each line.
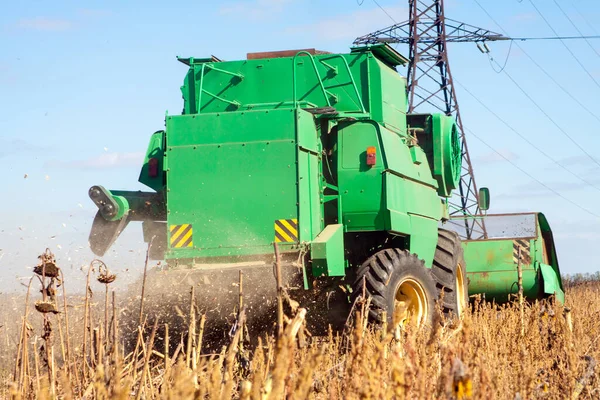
387 95
410 192
231 127
231 176
156 149
327 252
492 269
409 186
393 102
360 186
552 282
546 243
503 284
338 83
423 237
309 177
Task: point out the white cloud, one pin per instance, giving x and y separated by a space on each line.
255 9
350 26
45 24
103 161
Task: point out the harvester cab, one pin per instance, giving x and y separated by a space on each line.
314 152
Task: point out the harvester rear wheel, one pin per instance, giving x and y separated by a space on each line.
448 271
399 285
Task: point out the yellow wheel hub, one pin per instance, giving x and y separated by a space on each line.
460 291
410 303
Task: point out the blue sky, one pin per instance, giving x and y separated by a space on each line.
83 84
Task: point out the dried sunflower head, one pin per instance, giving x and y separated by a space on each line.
106 278
46 307
104 275
51 269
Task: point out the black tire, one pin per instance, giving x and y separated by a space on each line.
383 273
448 271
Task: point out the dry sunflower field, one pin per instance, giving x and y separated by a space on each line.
63 346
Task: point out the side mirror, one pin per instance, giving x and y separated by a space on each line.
484 199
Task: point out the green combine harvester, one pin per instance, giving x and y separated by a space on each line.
315 152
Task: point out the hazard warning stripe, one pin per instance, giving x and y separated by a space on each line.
181 236
286 230
525 251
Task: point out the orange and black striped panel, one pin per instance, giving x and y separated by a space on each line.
181 236
286 230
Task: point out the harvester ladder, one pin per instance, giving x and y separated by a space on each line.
350 82
327 94
201 89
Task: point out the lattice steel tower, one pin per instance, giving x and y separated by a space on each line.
427 33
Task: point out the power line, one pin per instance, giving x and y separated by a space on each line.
584 151
541 68
564 44
386 13
553 80
491 58
557 83
383 9
584 18
576 28
542 152
522 39
531 176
